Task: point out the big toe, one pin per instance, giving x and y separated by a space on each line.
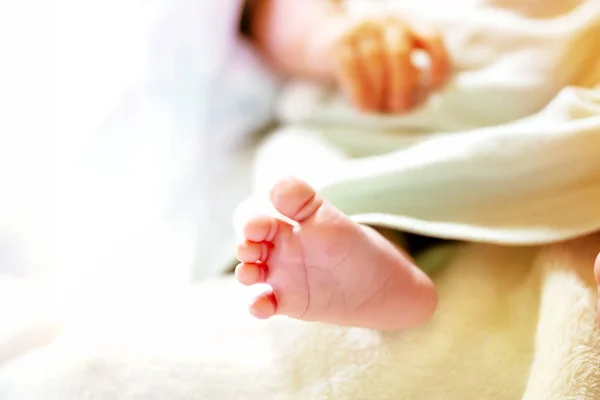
295 199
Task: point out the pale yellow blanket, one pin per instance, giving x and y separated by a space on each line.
513 323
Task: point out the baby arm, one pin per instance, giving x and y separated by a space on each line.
367 56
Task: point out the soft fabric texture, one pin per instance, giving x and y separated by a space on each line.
508 153
507 156
512 323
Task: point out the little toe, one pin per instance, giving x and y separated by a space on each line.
251 252
263 306
261 228
295 199
249 274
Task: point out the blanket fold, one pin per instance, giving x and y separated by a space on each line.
508 152
533 181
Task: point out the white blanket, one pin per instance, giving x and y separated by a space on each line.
508 153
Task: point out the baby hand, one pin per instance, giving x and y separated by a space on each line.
371 62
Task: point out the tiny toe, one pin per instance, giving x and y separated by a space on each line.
251 252
295 199
261 228
263 306
250 273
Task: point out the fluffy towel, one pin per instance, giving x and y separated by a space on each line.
512 323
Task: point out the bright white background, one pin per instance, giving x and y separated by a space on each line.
101 176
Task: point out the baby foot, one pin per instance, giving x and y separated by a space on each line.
325 267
